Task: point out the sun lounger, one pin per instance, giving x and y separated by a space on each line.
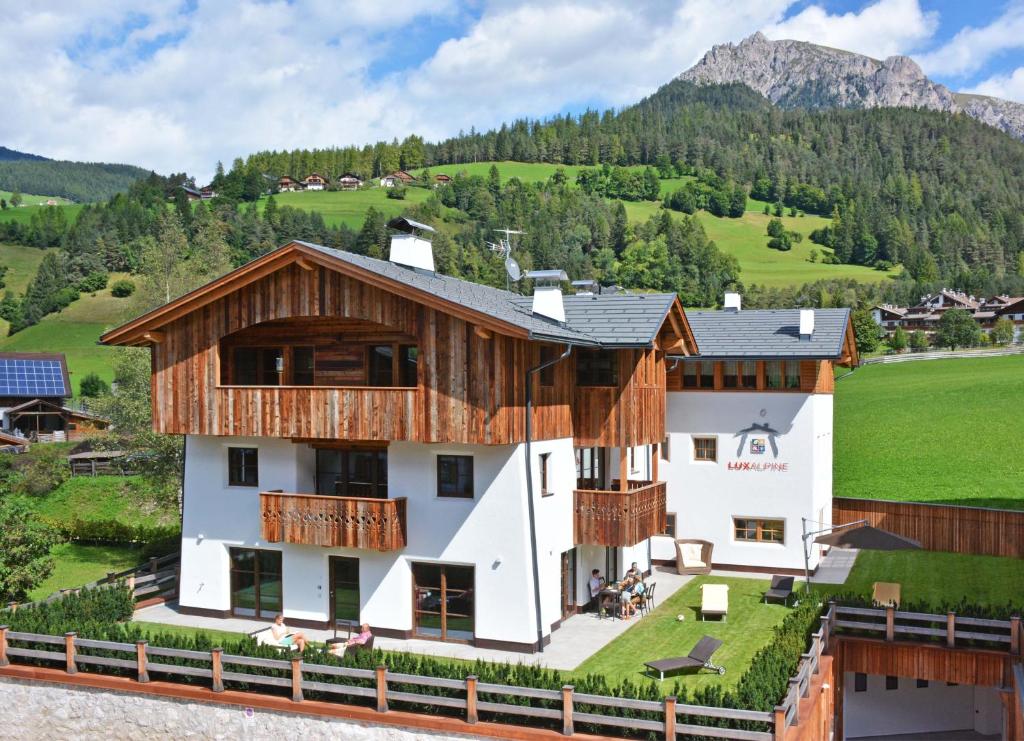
699 658
714 600
264 637
781 588
886 594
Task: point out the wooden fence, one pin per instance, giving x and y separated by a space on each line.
941 527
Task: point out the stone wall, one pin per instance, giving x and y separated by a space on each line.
38 710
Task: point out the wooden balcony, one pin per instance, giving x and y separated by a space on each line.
618 518
333 522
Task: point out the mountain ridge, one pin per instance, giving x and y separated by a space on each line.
800 74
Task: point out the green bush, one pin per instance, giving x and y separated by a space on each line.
397 192
115 531
44 469
92 283
122 288
92 386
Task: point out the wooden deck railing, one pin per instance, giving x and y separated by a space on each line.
333 522
619 518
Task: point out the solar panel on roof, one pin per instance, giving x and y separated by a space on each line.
30 377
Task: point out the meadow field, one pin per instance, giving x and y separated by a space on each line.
943 431
349 207
23 214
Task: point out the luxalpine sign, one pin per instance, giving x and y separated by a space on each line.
761 437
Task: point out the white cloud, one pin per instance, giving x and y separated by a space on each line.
1007 86
971 48
879 30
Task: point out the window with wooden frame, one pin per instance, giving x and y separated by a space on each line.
741 374
386 364
705 448
773 375
545 488
243 467
588 467
757 530
597 368
455 476
352 472
791 376
256 366
303 366
670 524
632 460
698 374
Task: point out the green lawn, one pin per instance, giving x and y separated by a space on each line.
77 564
660 636
126 499
22 263
940 578
75 332
29 199
945 431
23 214
527 172
349 206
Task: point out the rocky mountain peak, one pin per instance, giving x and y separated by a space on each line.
798 74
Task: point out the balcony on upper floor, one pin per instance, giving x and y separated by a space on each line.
333 522
615 518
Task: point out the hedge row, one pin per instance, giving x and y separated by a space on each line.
163 537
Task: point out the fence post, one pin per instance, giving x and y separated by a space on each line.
69 652
110 577
140 657
12 606
1015 635
890 623
670 718
296 679
152 564
382 689
567 691
779 731
794 690
4 661
471 714
131 583
951 629
217 668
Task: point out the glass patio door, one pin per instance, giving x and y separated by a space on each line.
443 605
256 589
344 590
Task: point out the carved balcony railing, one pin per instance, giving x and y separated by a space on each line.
618 518
333 522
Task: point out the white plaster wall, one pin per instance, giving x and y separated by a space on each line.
489 532
706 496
911 709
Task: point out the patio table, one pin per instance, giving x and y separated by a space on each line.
615 594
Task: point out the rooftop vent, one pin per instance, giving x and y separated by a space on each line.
410 247
547 293
585 287
732 302
806 323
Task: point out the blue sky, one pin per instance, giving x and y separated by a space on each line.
180 84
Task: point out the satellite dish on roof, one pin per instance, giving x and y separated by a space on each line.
513 269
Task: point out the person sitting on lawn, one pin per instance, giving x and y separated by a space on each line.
285 637
359 639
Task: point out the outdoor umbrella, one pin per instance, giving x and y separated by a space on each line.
867 537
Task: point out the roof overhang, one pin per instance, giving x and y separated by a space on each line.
675 336
145 330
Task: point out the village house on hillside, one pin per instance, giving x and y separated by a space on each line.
349 181
288 184
446 460
399 177
925 315
314 181
193 194
207 192
441 179
34 389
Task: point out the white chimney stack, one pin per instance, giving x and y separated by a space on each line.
806 323
732 302
547 293
409 248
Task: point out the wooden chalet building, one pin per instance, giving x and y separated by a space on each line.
207 192
350 181
315 181
288 184
399 177
193 194
441 179
926 314
371 441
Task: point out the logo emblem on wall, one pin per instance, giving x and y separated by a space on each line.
757 446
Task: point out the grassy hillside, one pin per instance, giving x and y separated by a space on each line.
74 331
23 214
32 200
932 431
22 263
349 206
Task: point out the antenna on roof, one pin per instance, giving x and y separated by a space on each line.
503 247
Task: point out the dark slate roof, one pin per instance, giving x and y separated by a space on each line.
627 320
613 320
767 333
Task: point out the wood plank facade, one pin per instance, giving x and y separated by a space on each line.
985 668
941 527
619 518
333 522
815 377
470 386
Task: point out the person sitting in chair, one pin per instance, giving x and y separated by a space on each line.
360 639
633 573
626 599
285 637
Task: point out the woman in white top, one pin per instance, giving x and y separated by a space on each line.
285 637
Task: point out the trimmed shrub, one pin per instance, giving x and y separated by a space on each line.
92 283
92 386
122 288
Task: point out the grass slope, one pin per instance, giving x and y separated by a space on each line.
75 331
660 635
945 431
77 564
30 199
23 214
126 499
349 207
22 263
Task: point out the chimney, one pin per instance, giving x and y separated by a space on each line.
547 293
585 287
410 247
732 302
806 323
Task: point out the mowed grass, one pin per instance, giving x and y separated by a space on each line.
349 207
527 172
126 499
75 332
22 263
76 564
23 214
660 635
944 431
937 579
29 199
